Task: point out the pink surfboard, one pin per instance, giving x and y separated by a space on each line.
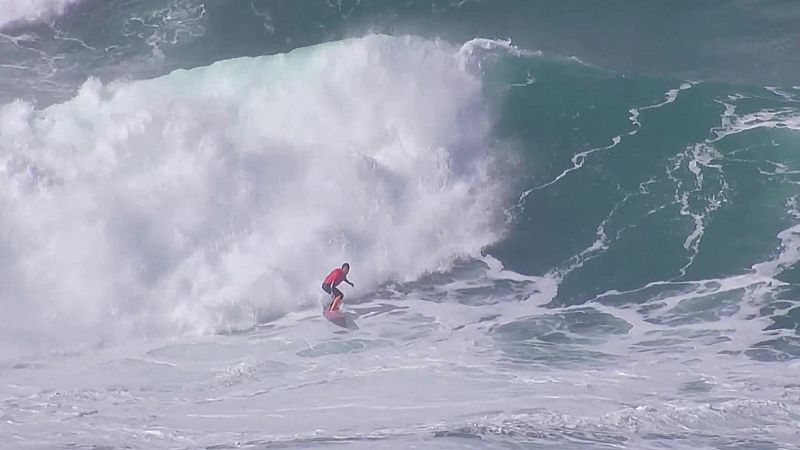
336 317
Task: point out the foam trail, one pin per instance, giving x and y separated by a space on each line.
669 97
702 155
763 273
216 197
780 93
600 244
579 158
577 162
476 45
697 158
529 80
16 11
732 124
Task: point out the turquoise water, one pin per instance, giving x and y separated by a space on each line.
571 225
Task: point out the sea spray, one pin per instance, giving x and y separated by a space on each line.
214 198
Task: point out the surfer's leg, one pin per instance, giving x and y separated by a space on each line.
337 299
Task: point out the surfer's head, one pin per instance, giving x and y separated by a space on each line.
346 267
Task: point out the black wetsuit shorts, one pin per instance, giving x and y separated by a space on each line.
332 290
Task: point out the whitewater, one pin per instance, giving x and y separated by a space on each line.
550 248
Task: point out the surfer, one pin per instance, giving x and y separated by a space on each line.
331 281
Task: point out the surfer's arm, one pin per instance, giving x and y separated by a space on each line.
349 282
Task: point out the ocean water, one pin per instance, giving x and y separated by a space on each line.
571 225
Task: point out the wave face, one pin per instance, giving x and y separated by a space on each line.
585 236
211 198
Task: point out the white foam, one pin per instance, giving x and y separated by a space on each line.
696 159
177 22
579 158
768 118
780 93
669 97
208 198
471 47
529 80
16 11
790 246
577 162
601 243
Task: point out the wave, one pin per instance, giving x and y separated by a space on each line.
215 197
14 12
